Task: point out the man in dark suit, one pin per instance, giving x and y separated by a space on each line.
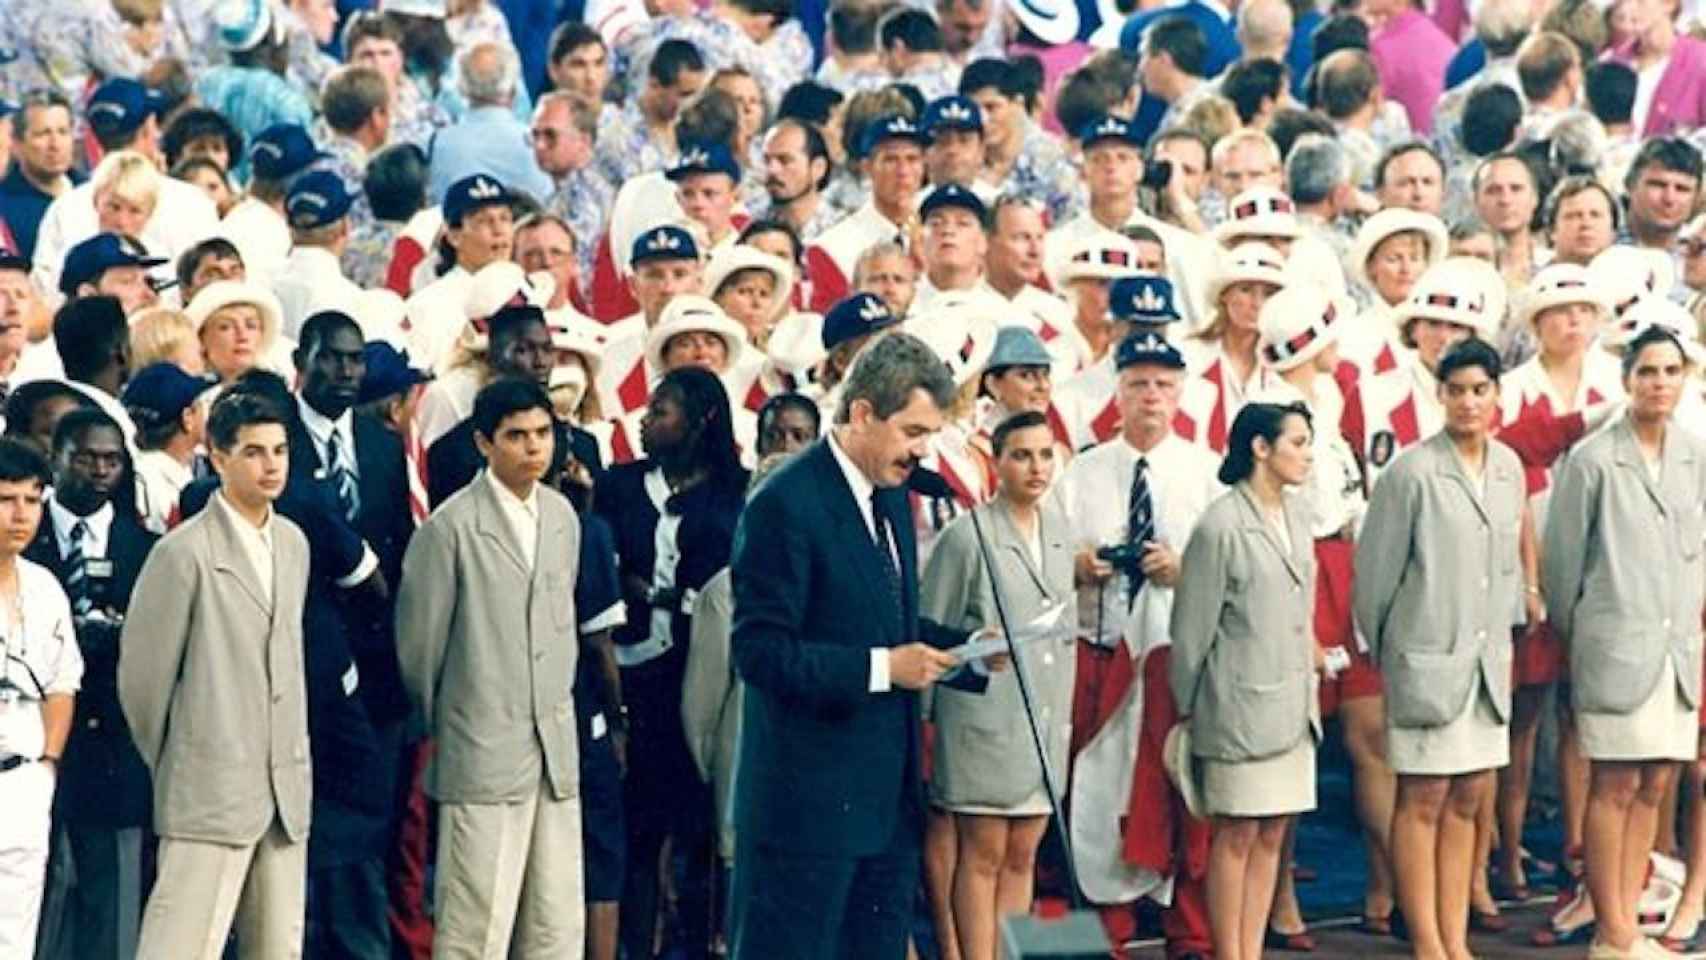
830 806
102 808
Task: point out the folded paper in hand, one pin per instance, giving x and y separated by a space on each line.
1052 625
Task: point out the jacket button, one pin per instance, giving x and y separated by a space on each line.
1667 623
94 723
1480 634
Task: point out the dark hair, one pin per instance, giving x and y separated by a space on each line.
1490 118
712 117
319 327
503 398
1610 91
1013 424
809 102
87 332
571 36
350 96
396 182
73 425
1289 123
672 59
1671 153
816 147
21 405
887 371
264 383
1405 149
190 166
370 25
915 28
783 227
705 406
21 462
1473 352
1248 84
853 25
783 402
777 10
1341 88
191 259
1653 334
238 408
508 323
1181 40
985 73
1341 31
195 124
1571 186
1025 81
1264 420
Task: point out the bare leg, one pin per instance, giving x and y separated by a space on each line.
1015 890
1686 919
1415 842
1515 781
1611 797
1364 721
1665 841
602 921
1573 779
1259 878
977 867
941 848
1486 827
1228 867
1457 862
1287 915
1640 833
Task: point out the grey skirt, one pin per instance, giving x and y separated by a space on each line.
1663 727
1271 787
1475 740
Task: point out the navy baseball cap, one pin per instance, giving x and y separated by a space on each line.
1109 127
317 199
158 393
1146 348
85 262
120 106
952 195
704 157
667 242
891 126
282 150
856 316
952 113
1142 299
388 372
472 193
12 260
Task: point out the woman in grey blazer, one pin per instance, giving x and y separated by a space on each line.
987 774
1243 666
1438 583
1624 587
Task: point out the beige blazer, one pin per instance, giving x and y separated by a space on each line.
487 648
984 752
210 679
1620 564
711 698
1439 580
1243 663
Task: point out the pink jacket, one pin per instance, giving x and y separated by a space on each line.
1411 54
1680 101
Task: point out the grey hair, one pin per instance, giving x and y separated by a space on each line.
888 370
1316 166
489 81
1579 142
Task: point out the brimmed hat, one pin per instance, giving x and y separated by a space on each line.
1247 263
1626 274
729 260
796 345
1655 312
1560 284
1018 347
1181 769
1466 291
1101 255
500 284
960 331
1143 299
1390 222
582 336
1259 212
1296 324
241 25
1052 21
225 293
689 314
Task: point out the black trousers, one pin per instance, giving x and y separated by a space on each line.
93 907
791 906
347 913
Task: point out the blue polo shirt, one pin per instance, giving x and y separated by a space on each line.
22 206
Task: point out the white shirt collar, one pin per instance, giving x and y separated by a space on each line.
263 533
509 500
99 525
320 427
862 487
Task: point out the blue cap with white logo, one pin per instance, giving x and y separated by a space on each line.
1147 349
952 113
120 106
282 151
470 194
1142 299
893 126
317 199
668 242
859 315
704 157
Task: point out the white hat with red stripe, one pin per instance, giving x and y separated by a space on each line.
1296 324
1103 255
694 314
1626 275
1466 291
1561 284
571 332
500 284
1257 213
1660 312
1247 263
962 331
729 260
1389 223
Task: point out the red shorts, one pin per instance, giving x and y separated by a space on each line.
1539 656
1333 628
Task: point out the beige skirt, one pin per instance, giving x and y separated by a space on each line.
1272 787
1664 727
1475 740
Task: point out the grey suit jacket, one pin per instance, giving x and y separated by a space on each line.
984 752
487 649
711 700
1439 579
211 681
1243 663
1620 564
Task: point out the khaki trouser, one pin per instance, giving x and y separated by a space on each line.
510 881
202 887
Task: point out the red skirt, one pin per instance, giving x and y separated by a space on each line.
1334 563
1539 656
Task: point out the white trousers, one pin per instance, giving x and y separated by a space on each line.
26 816
201 888
510 880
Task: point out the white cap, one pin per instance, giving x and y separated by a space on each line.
1390 222
1256 213
689 314
224 293
1246 263
1466 291
1296 324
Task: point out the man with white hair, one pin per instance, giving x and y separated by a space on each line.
1318 179
1264 30
489 139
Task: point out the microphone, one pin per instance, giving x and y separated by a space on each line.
929 483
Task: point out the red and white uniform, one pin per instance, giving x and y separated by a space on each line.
1389 412
1369 345
1191 259
830 261
1051 319
1087 406
1214 393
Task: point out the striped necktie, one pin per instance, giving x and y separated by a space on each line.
342 479
1140 525
885 546
77 571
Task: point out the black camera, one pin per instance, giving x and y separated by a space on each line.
1157 174
1121 556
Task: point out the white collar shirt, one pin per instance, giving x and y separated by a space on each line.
98 527
257 542
521 515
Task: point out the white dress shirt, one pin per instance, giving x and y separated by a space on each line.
521 515
261 236
320 431
862 490
97 527
256 541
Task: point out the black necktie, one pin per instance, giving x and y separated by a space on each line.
885 546
77 571
1140 525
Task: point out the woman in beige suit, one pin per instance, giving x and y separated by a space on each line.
987 774
1243 666
1622 576
1439 581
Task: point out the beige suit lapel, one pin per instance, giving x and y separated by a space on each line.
1253 517
1452 466
489 520
231 557
1628 454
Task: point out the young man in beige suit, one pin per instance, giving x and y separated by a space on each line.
486 637
211 682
